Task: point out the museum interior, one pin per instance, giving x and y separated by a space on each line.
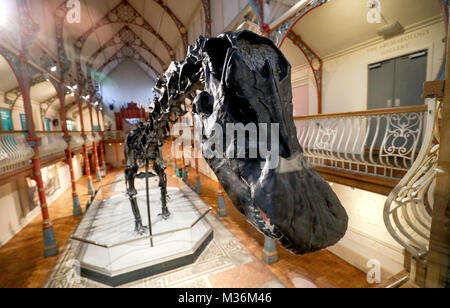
109 108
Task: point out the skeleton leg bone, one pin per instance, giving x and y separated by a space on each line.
160 170
130 173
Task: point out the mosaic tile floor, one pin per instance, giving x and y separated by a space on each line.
225 263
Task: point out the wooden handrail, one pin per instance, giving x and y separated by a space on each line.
422 108
114 131
50 132
11 132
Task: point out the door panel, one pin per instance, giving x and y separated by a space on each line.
381 84
395 83
48 126
410 75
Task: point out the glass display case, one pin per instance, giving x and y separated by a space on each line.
111 252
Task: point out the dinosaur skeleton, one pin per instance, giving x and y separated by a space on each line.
244 78
142 146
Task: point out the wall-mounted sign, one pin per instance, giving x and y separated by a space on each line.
5 116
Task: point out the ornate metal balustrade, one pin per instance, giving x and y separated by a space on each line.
400 144
114 136
381 143
98 137
89 139
52 144
408 209
15 152
77 141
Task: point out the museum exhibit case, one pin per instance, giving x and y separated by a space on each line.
221 144
113 253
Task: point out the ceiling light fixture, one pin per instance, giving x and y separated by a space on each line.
53 69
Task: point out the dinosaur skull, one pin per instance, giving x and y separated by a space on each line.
248 81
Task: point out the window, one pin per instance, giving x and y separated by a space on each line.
71 125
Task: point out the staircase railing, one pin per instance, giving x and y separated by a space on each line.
15 152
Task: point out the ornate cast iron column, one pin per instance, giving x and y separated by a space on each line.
221 201
168 153
175 165
183 159
61 92
28 31
85 151
102 151
198 186
208 20
97 166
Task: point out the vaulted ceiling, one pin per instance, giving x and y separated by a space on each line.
150 32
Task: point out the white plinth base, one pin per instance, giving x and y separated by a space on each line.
112 223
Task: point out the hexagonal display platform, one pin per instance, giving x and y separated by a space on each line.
113 254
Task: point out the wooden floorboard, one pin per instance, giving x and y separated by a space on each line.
22 263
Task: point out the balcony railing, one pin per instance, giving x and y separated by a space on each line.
379 142
98 137
15 152
52 144
116 135
77 141
397 144
89 139
408 209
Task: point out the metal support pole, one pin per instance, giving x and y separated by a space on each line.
147 187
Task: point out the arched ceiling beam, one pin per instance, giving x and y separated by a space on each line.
315 62
125 36
45 105
123 13
12 96
180 26
279 33
125 52
208 20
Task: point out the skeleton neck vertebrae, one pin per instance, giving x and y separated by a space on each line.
245 80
